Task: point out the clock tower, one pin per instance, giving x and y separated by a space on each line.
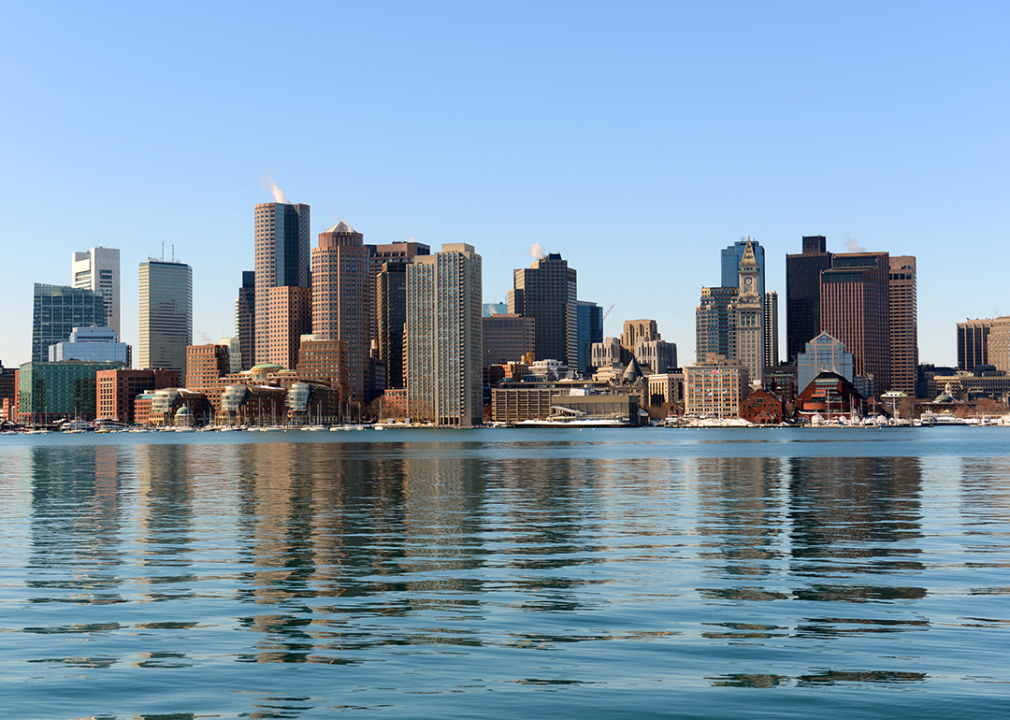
748 317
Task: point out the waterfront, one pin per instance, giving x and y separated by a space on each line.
507 573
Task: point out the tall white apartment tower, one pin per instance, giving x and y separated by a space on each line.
97 270
444 337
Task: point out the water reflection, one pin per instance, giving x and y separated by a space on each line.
447 569
853 517
75 525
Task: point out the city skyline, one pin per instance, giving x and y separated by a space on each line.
738 128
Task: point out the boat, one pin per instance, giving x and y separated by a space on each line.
563 423
948 419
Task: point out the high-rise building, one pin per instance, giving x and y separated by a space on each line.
590 330
635 330
507 338
714 323
855 308
904 324
803 293
748 318
771 329
999 344
290 316
391 318
659 355
97 270
444 337
399 251
166 315
973 343
547 292
57 311
731 258
245 318
340 299
282 260
495 308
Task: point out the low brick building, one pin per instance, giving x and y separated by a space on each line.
762 408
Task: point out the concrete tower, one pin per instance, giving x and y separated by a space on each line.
904 324
97 270
166 315
748 317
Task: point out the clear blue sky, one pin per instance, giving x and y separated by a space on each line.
636 139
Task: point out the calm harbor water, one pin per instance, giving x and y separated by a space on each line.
507 573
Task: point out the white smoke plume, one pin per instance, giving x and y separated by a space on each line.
268 182
852 246
537 251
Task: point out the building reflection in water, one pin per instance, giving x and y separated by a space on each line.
75 524
335 532
809 529
856 532
546 511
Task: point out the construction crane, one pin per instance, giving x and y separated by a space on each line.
607 313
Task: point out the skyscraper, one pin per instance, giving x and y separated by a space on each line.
973 343
547 292
340 298
904 324
289 309
635 330
803 293
57 311
713 322
98 270
444 337
391 318
748 317
731 257
399 251
590 330
507 338
771 329
282 260
166 315
245 318
855 308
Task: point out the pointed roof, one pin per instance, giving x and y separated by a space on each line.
748 259
632 372
341 227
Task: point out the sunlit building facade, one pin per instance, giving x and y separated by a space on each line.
444 337
166 315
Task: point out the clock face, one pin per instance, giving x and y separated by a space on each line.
748 282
